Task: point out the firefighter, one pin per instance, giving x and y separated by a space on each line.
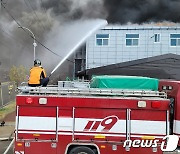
37 75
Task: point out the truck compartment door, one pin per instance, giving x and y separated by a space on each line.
149 122
36 123
40 147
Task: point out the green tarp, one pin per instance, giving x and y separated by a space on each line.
124 82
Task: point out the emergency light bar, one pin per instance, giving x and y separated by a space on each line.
167 87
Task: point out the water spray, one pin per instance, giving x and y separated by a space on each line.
100 25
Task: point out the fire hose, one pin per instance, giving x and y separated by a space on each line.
100 25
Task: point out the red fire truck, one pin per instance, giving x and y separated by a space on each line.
72 118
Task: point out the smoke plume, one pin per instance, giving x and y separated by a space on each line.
142 11
117 11
76 9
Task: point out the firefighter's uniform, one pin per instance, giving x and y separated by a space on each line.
37 74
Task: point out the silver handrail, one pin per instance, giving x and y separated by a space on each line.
90 91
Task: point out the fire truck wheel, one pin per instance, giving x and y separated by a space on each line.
81 150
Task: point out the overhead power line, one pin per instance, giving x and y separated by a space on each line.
2 4
19 25
11 36
33 10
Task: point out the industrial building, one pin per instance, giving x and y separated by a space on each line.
122 45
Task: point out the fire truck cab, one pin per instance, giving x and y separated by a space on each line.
74 118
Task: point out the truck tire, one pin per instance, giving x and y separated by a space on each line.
81 150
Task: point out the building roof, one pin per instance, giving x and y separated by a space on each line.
160 26
165 66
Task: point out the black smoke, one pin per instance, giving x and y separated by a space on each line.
142 11
58 6
117 11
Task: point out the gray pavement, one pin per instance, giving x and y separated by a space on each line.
5 132
4 145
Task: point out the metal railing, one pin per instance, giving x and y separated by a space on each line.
90 91
7 93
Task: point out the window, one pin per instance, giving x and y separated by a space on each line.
102 39
132 39
175 39
156 38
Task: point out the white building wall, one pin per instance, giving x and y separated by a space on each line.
117 51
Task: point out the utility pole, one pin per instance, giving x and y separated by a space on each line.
33 36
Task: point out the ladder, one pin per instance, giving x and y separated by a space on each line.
55 90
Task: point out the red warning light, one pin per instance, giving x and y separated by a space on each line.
156 104
29 100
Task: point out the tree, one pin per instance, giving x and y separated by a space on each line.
18 74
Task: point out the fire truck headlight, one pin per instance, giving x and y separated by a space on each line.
141 103
42 100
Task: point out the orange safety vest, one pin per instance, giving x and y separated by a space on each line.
35 75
